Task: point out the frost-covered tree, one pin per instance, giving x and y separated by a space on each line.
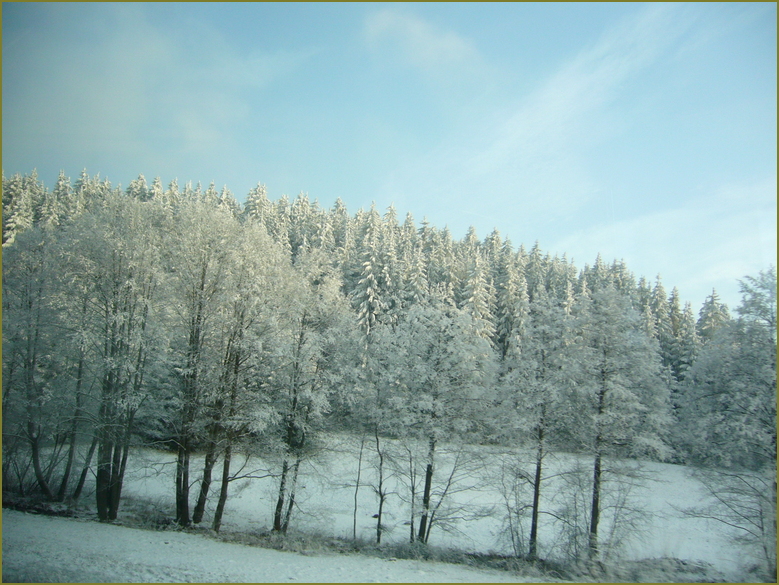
531 402
664 333
414 285
343 234
113 254
21 198
138 189
198 250
713 315
438 248
729 410
758 300
477 299
440 370
257 206
511 302
729 417
52 208
233 407
370 295
227 202
34 403
313 351
619 404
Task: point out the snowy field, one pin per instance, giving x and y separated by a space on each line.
47 549
37 548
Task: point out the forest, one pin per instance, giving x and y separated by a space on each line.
176 318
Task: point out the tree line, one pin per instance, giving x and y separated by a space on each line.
181 319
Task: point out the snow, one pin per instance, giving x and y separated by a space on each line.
39 548
52 549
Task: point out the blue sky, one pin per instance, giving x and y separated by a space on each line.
645 132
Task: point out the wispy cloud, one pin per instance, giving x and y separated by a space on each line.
537 155
717 237
140 82
419 42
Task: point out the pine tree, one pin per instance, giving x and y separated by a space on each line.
257 206
371 295
713 315
157 193
18 208
53 212
138 189
278 224
301 223
227 202
407 239
343 233
599 275
478 299
172 196
511 303
440 252
535 271
661 310
624 281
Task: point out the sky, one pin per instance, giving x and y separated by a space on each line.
643 132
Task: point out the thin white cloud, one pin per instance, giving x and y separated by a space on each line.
420 43
537 156
136 81
709 241
555 125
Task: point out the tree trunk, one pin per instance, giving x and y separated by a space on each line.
278 513
115 490
423 530
59 443
412 486
85 470
121 453
68 467
182 483
36 462
220 506
190 395
596 474
205 483
771 554
382 495
72 439
103 478
357 488
595 512
533 543
229 438
76 419
291 499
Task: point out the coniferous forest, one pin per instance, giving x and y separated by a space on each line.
176 318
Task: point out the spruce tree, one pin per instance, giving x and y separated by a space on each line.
713 315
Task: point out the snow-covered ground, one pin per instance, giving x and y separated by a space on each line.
56 549
46 549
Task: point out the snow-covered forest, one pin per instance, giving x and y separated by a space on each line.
175 318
